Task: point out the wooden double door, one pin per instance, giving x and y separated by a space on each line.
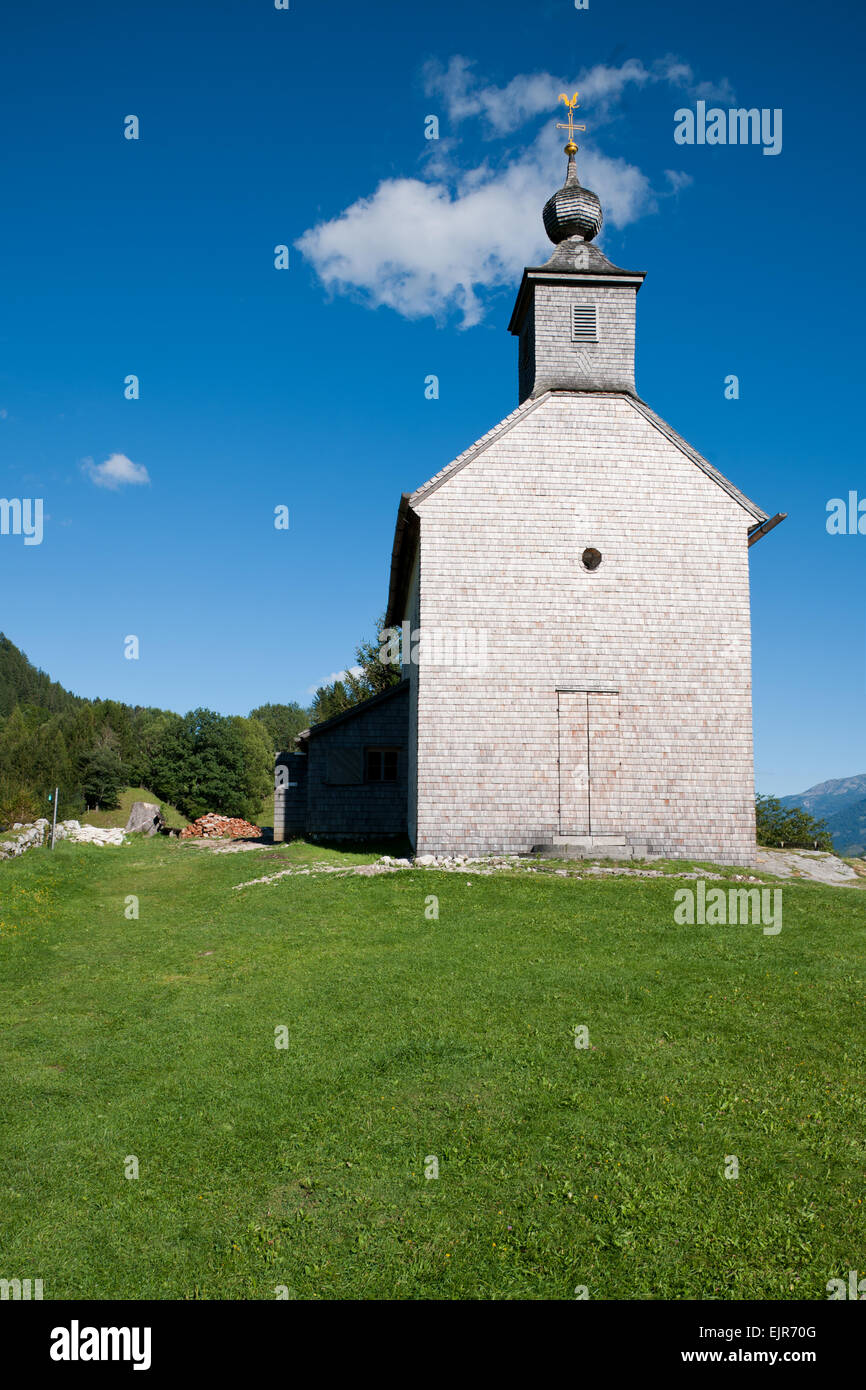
590 769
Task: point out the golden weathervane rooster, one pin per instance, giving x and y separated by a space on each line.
571 103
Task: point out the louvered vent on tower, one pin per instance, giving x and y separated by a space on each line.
584 323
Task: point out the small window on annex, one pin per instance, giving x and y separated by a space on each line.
381 764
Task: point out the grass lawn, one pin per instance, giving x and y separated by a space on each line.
410 1038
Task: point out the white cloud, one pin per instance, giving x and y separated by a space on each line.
429 246
716 91
424 248
335 676
117 471
677 179
504 109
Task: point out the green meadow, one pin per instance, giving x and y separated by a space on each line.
418 1044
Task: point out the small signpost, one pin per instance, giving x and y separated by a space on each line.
54 819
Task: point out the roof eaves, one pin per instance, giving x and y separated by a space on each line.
558 274
756 533
405 533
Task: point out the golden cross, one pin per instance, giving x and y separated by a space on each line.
571 147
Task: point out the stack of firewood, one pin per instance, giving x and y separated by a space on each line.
212 827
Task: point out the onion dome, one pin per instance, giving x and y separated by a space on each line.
573 211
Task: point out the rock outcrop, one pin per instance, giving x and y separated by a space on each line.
29 836
146 817
39 833
90 834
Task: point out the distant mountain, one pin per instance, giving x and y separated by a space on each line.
848 829
830 798
842 804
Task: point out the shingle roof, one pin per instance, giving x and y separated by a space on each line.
354 711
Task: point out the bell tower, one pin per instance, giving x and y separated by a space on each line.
575 315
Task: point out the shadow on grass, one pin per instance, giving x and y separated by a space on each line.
398 846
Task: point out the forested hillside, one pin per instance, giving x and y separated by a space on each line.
22 684
199 762
90 749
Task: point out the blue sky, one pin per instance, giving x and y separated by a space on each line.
305 387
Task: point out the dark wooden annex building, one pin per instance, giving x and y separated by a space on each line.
349 778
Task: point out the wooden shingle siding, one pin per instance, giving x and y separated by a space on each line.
664 621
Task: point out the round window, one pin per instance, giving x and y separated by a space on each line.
591 558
